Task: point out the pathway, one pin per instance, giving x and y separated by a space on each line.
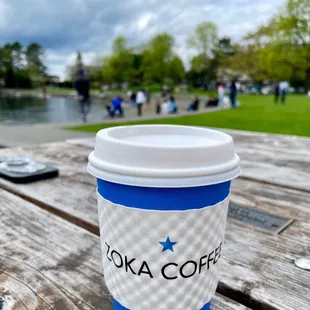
20 135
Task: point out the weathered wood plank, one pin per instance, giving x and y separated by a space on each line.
291 244
81 208
276 200
245 247
292 144
68 158
69 196
84 142
274 159
275 168
273 199
48 263
260 267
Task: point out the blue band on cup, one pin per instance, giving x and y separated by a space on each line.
164 199
118 306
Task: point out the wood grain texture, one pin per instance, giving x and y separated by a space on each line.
274 159
251 258
48 263
258 268
289 144
276 200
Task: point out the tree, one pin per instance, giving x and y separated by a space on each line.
35 62
6 66
122 60
176 70
294 29
119 46
108 73
12 66
204 41
157 54
17 55
119 66
284 43
245 60
95 71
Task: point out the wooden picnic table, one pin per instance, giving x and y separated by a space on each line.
50 250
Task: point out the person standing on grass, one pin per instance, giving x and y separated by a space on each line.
283 90
133 98
233 94
140 100
82 86
276 93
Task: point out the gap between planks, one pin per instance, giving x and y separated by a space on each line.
221 289
64 215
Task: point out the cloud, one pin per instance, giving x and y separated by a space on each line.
65 26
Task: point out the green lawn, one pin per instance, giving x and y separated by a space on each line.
257 113
60 91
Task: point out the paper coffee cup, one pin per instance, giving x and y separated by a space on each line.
163 194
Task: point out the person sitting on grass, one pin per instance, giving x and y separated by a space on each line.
194 106
165 107
212 102
172 106
116 109
158 106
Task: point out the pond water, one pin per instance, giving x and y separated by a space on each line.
53 110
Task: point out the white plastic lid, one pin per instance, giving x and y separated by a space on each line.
163 156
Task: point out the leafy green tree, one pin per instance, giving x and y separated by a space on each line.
17 51
283 45
6 66
124 58
95 71
176 70
204 40
35 58
35 62
224 47
119 66
108 73
12 66
157 54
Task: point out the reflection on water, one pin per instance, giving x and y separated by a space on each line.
53 110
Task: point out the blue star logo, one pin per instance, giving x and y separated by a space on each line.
168 245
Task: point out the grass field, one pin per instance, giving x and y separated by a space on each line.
256 113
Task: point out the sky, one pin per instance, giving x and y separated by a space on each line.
65 26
